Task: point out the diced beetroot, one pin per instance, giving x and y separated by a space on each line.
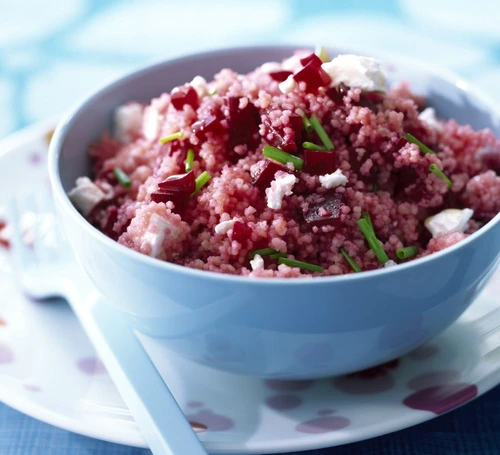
211 123
241 232
183 184
400 143
262 173
313 59
371 100
181 96
336 94
313 76
280 76
176 198
243 123
279 139
324 209
317 162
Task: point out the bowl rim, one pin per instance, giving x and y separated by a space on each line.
61 196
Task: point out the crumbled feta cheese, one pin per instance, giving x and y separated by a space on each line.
356 71
288 85
257 262
151 123
447 221
224 226
86 195
127 122
200 85
333 180
389 263
270 67
280 187
158 228
428 116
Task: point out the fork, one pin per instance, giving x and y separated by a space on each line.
47 268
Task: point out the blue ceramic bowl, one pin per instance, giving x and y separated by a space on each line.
275 328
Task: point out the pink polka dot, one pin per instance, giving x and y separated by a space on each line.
284 402
442 398
194 404
6 355
321 425
32 387
424 352
91 366
325 412
433 378
288 386
212 421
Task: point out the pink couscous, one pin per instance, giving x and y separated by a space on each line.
308 167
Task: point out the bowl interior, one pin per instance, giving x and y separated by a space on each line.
449 96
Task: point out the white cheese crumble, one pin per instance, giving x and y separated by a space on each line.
389 263
200 85
288 85
270 67
224 226
356 71
127 122
257 262
428 116
280 187
86 195
447 221
151 123
333 180
158 228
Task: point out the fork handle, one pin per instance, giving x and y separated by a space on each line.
161 421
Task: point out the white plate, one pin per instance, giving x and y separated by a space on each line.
48 368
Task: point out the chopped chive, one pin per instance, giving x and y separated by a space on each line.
300 264
366 216
350 260
372 240
322 54
189 160
201 181
321 133
282 157
311 146
277 255
406 253
435 170
172 137
123 179
421 146
307 124
262 252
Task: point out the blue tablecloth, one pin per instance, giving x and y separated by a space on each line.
53 52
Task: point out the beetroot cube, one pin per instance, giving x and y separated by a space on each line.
317 162
184 95
285 142
280 76
313 76
183 184
312 59
241 232
262 173
324 209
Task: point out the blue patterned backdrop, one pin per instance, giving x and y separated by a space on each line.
54 51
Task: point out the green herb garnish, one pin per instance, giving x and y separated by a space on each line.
407 252
372 240
277 255
311 146
201 181
282 157
321 133
435 170
354 265
307 124
300 264
172 137
262 252
189 160
421 146
123 179
322 54
366 216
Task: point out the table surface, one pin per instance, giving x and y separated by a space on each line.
52 53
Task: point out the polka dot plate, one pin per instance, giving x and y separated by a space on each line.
49 370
